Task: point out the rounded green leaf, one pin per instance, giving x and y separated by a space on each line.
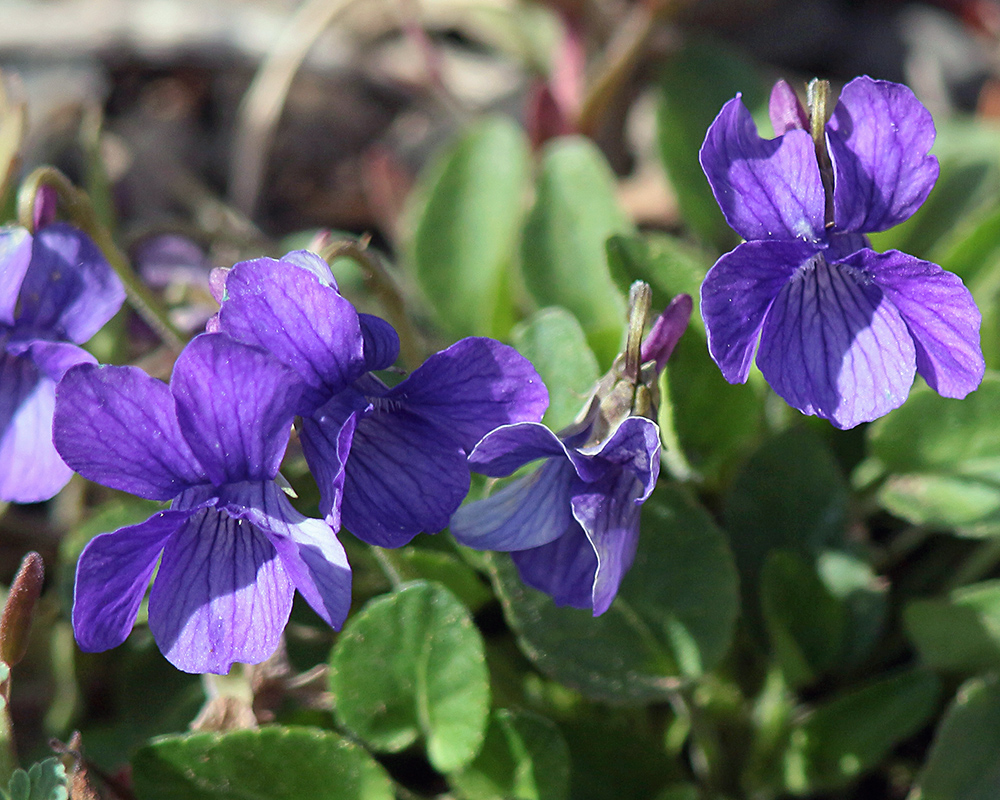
276 763
960 633
411 664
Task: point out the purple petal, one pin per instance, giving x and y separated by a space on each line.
662 338
30 468
381 342
736 296
221 595
15 257
879 137
111 579
941 316
472 387
564 569
307 326
326 443
785 109
634 446
508 448
118 427
54 358
69 288
767 189
309 261
531 511
235 405
834 346
313 557
609 514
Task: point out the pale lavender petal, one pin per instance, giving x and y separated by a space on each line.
940 314
30 468
15 257
111 579
69 289
235 405
404 476
635 447
879 138
608 511
785 109
311 262
531 511
381 342
662 338
222 594
564 569
834 346
736 296
313 557
472 387
767 189
117 426
307 326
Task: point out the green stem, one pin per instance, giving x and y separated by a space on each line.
385 562
8 751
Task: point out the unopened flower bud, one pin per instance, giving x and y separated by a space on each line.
15 624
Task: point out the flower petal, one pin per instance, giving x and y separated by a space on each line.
111 579
15 257
635 447
312 555
307 326
736 296
118 427
564 569
510 447
381 342
879 137
531 511
834 346
69 289
767 189
222 594
662 338
472 387
785 109
235 405
940 313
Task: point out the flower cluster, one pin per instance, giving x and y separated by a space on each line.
842 329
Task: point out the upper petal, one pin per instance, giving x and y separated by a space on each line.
510 447
111 579
941 316
381 342
15 257
879 137
736 295
767 188
306 325
118 427
222 594
472 387
235 405
834 346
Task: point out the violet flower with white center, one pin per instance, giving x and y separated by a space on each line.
231 548
572 525
56 291
842 329
389 462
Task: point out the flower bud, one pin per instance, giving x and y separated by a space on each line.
15 624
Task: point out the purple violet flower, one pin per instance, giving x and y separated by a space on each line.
842 329
56 291
572 525
231 548
390 462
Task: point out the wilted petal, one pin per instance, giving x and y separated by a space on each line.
531 511
235 405
313 557
736 296
117 426
111 579
15 256
767 189
222 594
564 569
834 346
307 326
940 314
472 387
785 109
381 342
879 138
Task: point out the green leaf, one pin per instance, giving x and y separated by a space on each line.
960 633
45 780
420 563
553 341
940 459
964 760
863 595
273 763
412 664
467 216
847 736
524 756
563 246
672 620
